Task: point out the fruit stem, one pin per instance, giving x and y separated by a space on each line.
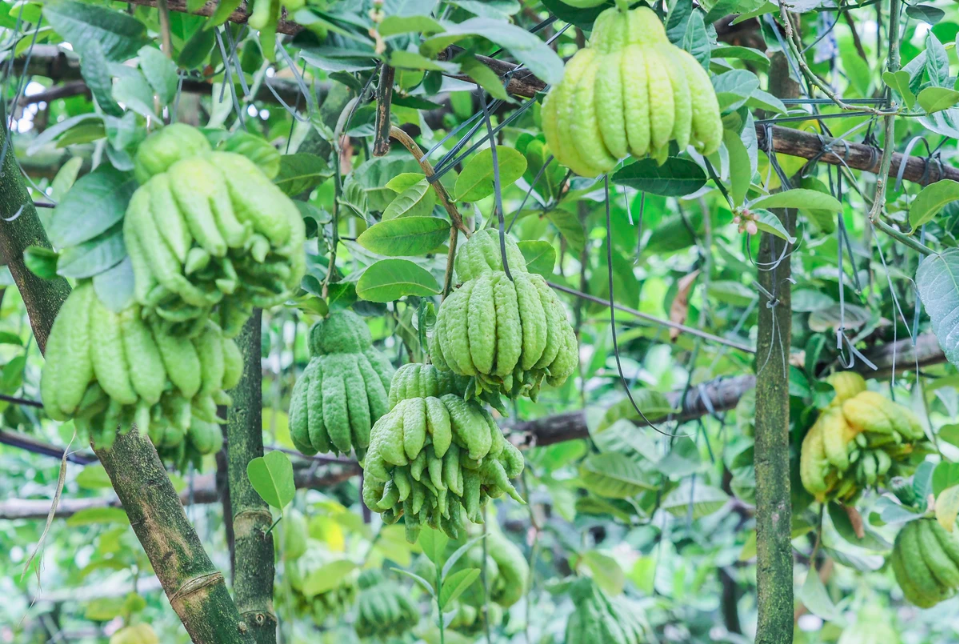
623 5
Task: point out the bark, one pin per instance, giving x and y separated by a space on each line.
384 97
196 590
253 543
774 562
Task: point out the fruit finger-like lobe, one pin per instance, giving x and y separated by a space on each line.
833 426
483 253
456 348
194 182
436 343
165 147
256 199
358 404
481 323
509 334
866 412
335 414
440 425
645 28
299 412
148 375
942 567
564 97
682 101
636 111
414 427
903 420
586 132
452 472
566 360
143 278
316 427
533 320
847 384
181 361
375 393
232 364
75 368
388 436
949 543
610 105
662 109
167 217
468 425
915 567
209 348
813 463
109 360
707 130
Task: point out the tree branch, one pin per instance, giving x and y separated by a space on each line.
253 542
196 591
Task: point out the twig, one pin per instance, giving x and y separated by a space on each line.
655 320
889 121
384 96
165 31
911 242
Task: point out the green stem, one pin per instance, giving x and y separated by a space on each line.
889 121
252 520
911 242
774 562
196 589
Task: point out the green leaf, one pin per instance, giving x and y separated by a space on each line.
581 17
740 174
484 76
433 543
301 172
327 577
66 177
198 47
857 70
932 199
733 88
407 236
272 478
257 149
476 180
42 262
947 508
754 56
614 475
816 598
416 200
525 47
395 25
652 403
936 99
456 584
422 582
606 570
926 13
390 279
160 72
119 34
945 475
412 60
623 437
135 92
114 286
96 74
570 227
92 206
224 9
899 82
696 40
800 198
842 523
540 256
938 282
93 477
92 516
765 101
675 178
705 499
93 256
730 292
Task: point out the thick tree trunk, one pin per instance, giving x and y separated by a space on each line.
253 545
195 588
774 562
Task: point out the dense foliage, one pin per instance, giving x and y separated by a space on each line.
460 321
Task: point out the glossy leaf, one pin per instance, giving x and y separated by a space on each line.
391 279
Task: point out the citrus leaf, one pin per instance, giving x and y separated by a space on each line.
272 478
614 475
675 178
391 279
407 236
476 180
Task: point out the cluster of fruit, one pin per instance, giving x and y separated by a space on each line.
630 91
343 390
925 560
506 332
600 618
209 235
109 371
858 442
384 609
434 455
